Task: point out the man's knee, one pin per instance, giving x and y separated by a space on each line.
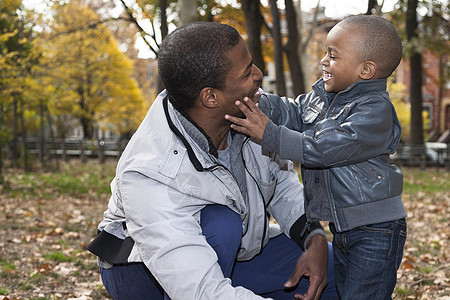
222 228
220 221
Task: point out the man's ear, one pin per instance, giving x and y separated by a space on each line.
369 70
208 97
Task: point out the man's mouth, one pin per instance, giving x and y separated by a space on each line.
256 94
326 76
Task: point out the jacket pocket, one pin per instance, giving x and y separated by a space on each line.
267 189
311 113
367 173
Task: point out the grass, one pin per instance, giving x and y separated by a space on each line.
4 291
426 181
35 204
68 180
58 257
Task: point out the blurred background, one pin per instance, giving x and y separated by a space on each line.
77 76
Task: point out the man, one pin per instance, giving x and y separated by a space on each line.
189 213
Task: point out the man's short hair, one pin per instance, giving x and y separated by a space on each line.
194 56
379 42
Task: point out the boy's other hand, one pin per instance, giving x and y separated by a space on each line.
255 121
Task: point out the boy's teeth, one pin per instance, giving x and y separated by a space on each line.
327 75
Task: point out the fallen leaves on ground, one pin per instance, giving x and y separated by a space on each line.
43 238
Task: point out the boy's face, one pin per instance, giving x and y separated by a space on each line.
341 65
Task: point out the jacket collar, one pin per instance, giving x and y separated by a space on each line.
356 89
186 129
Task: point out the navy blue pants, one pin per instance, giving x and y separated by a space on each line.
265 274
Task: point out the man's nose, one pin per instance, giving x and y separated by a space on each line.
258 75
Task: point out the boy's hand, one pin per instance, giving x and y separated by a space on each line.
255 121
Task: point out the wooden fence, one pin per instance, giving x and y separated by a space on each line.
405 155
66 148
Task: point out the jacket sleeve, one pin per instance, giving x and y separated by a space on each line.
282 110
287 204
170 241
371 128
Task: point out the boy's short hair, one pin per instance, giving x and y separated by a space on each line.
379 42
194 56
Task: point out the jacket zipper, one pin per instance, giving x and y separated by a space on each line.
332 206
262 198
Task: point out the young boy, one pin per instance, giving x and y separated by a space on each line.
342 134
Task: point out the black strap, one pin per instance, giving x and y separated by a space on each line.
300 230
111 248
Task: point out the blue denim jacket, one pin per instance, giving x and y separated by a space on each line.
343 142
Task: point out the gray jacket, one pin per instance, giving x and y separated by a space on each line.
166 175
343 142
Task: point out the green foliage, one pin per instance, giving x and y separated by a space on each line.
59 257
4 291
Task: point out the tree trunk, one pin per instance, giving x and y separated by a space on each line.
253 22
88 128
371 6
303 42
280 84
42 148
24 135
295 65
187 11
442 65
163 15
415 90
164 32
15 141
2 179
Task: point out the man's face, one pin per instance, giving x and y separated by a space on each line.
341 65
243 80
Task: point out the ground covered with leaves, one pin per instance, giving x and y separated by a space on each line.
47 218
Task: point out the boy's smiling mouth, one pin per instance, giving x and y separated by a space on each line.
326 75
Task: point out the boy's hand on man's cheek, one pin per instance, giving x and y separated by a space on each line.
255 121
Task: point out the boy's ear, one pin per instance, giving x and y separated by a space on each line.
369 70
208 97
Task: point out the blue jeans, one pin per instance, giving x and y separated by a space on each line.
264 275
366 259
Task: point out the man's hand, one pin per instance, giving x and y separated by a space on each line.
255 121
313 264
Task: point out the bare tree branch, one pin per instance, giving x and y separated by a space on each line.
142 31
311 30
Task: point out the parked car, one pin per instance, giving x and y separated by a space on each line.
420 155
